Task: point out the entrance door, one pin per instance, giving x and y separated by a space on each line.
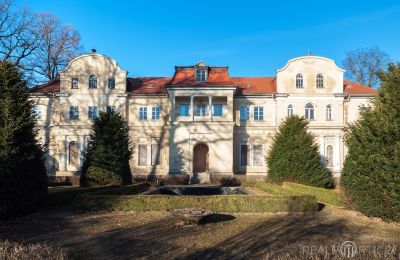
200 158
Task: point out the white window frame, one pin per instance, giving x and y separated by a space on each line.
92 81
307 111
290 110
319 81
299 81
142 113
201 75
74 83
75 113
329 112
149 154
258 113
37 112
250 161
201 110
111 83
155 113
93 110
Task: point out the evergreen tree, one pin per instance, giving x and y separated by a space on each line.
294 156
23 179
371 172
106 160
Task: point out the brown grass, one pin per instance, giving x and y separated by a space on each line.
12 250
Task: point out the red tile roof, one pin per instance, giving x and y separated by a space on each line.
147 85
357 88
255 85
217 76
50 87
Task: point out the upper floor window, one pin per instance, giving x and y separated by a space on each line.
92 81
299 81
244 113
111 109
201 110
184 109
92 113
328 112
74 83
290 110
218 109
320 81
155 113
73 112
143 113
111 83
201 75
309 111
258 113
37 112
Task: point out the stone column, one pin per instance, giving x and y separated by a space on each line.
209 108
192 108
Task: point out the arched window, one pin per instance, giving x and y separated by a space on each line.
329 155
73 154
320 81
299 80
328 112
92 81
309 111
290 110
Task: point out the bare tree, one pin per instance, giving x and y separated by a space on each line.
362 65
36 43
58 45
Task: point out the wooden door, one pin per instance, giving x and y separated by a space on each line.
200 158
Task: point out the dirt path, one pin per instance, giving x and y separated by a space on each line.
157 234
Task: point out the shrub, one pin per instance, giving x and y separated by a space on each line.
23 177
108 152
294 156
221 203
370 177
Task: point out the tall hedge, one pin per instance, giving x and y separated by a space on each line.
371 172
23 179
106 160
294 156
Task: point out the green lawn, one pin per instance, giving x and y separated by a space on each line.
328 196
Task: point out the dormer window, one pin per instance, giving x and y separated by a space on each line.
320 81
299 81
92 81
201 75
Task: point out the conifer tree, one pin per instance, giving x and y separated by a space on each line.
371 172
294 156
23 179
106 160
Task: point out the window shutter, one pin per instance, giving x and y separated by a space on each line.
155 154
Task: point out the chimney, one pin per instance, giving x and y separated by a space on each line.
93 50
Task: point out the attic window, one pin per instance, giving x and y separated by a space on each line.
150 85
349 86
201 75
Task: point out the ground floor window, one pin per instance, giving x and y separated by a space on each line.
149 154
329 155
251 155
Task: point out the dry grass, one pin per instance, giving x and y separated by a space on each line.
12 250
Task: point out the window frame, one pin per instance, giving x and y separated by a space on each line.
110 109
92 82
244 115
155 113
221 107
308 110
201 75
111 83
201 110
299 80
250 156
37 112
180 109
290 110
75 83
142 113
74 111
328 112
93 110
258 113
319 81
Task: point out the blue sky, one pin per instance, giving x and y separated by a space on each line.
253 38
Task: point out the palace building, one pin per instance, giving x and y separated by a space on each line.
201 121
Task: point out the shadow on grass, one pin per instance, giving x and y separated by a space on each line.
216 218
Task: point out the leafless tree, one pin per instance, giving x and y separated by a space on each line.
362 65
37 43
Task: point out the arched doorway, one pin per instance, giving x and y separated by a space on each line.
200 157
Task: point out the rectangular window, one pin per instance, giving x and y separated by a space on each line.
201 110
37 112
142 155
218 109
73 113
201 75
74 83
111 109
184 109
155 113
143 113
257 155
155 154
111 83
244 154
258 113
92 112
244 113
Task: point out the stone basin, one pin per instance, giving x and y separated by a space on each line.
190 216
